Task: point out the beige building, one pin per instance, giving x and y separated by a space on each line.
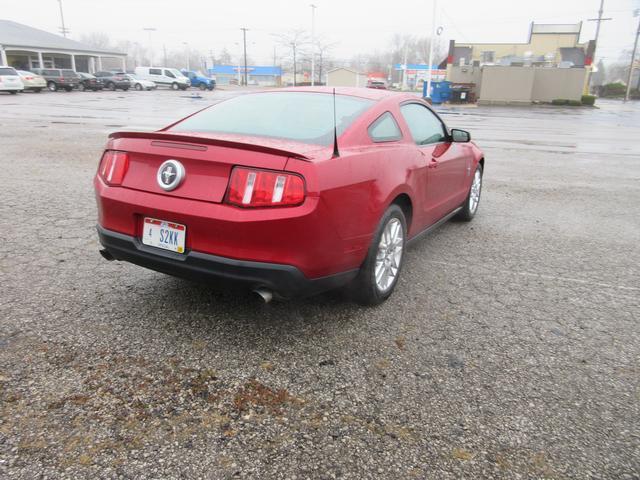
552 64
345 77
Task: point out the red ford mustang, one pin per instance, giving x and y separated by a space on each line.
287 192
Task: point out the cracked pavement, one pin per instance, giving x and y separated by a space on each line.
510 349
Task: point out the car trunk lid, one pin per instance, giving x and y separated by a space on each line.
207 160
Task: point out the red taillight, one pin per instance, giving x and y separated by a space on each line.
113 167
262 188
28 78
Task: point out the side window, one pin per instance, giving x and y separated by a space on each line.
425 127
155 71
169 74
384 129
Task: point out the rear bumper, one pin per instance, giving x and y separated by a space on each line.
285 281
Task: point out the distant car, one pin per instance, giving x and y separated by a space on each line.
10 80
141 83
168 77
89 82
114 80
31 81
266 191
199 80
58 78
379 84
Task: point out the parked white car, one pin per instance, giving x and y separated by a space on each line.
168 77
141 83
10 80
32 81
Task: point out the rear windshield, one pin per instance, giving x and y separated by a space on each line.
298 116
7 71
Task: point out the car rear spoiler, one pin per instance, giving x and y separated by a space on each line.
194 140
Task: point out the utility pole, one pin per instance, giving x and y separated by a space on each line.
431 42
633 56
313 44
63 29
599 20
244 40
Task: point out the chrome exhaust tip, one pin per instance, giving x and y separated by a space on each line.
264 294
106 255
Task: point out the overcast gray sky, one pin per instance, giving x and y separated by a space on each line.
358 26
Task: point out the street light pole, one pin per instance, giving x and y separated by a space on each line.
431 42
149 30
633 57
244 40
313 44
188 55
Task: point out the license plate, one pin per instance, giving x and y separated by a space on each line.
162 234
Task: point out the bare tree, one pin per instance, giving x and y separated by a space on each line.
224 58
98 40
323 50
293 42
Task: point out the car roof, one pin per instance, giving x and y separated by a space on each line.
361 92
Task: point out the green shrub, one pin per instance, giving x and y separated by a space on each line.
588 100
574 103
617 89
560 101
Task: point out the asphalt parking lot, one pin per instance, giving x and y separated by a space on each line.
510 349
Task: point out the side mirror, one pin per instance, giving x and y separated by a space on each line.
458 135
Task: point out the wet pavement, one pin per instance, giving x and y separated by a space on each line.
510 349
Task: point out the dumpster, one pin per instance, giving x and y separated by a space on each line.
440 91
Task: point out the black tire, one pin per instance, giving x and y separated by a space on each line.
183 87
174 86
364 288
111 86
125 89
82 87
52 86
138 87
37 90
68 89
13 92
202 86
468 210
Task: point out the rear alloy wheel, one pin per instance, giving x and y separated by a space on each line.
379 274
202 86
138 87
470 205
82 87
111 86
175 86
52 86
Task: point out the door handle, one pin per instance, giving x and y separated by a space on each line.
433 163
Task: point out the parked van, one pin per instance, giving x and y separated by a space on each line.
168 77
